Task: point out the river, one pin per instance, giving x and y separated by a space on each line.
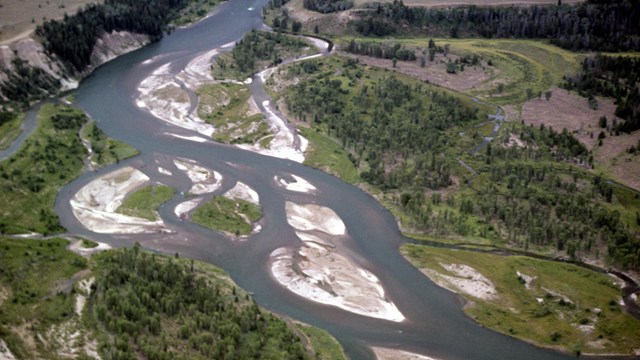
435 324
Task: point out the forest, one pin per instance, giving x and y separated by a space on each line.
256 50
381 50
401 136
611 76
394 127
163 308
73 38
327 6
593 25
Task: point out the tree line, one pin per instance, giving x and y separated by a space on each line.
72 39
327 6
615 77
161 308
380 50
605 26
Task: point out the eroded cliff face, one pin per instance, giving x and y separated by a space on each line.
111 45
30 50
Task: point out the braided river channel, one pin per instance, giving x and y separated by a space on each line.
431 323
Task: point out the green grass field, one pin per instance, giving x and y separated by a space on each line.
564 306
231 216
145 202
30 179
325 154
226 106
106 150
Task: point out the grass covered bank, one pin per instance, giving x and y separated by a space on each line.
30 179
548 303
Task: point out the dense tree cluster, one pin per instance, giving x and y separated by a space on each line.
531 196
6 116
160 308
380 50
259 46
612 76
26 83
395 127
327 6
607 26
72 39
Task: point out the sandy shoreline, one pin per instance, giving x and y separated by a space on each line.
96 203
395 354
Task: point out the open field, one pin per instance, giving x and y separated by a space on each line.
18 18
516 64
30 179
547 303
325 154
145 202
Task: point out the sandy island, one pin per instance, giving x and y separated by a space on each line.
96 203
319 273
283 145
314 217
162 94
298 184
394 354
204 180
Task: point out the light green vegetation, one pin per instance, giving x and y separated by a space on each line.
35 293
326 346
88 244
10 130
256 51
227 215
561 305
326 154
227 107
30 179
106 150
519 64
193 11
143 203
